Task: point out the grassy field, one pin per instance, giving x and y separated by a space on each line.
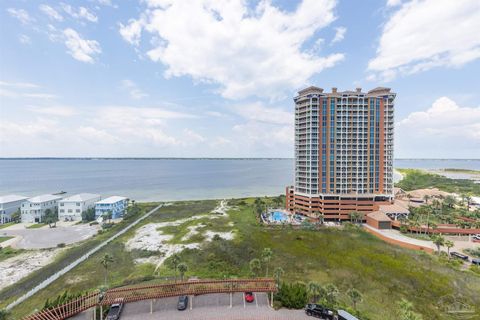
5 239
5 225
417 179
347 258
8 252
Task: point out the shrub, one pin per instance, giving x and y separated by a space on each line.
292 296
61 245
93 223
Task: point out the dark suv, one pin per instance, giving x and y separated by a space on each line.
182 303
319 311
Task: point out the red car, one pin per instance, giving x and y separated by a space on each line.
249 297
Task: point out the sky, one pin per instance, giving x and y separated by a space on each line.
216 78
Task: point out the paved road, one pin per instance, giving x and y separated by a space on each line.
46 237
207 307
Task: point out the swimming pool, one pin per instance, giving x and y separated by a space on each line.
278 216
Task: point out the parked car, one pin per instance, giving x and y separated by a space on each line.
319 311
182 303
249 297
459 256
476 238
115 311
476 261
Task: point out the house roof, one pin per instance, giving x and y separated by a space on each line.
81 197
112 199
393 208
45 198
11 198
379 216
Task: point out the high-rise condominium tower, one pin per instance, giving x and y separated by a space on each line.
343 152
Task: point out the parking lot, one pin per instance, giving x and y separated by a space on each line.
208 307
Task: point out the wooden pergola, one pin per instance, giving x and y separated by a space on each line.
156 291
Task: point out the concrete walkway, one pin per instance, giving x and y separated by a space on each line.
460 243
401 240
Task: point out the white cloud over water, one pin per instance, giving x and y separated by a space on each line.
421 35
444 130
244 51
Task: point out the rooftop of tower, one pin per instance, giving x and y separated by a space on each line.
313 90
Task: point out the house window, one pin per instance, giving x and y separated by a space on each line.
78 210
78 204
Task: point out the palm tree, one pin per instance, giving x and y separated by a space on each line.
438 240
175 262
255 266
182 268
313 289
406 311
449 201
277 274
355 296
266 257
449 244
4 314
426 198
106 260
331 294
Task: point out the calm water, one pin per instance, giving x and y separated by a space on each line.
148 180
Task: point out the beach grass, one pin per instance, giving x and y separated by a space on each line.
417 179
8 252
347 257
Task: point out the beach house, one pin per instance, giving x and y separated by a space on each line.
115 205
33 209
71 208
8 205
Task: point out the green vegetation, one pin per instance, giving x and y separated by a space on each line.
36 225
63 259
417 179
337 259
474 252
461 170
5 225
2 239
8 252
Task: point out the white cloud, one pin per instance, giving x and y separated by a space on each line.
215 114
421 35
133 89
21 15
80 13
132 31
339 34
192 137
443 130
24 39
244 51
259 135
258 112
19 85
59 111
51 12
94 135
39 95
393 3
79 48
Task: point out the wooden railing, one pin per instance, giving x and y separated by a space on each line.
68 309
154 291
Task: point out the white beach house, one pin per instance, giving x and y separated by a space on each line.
33 209
71 208
115 205
8 205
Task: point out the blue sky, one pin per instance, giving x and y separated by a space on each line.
216 78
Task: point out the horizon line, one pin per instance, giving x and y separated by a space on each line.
197 158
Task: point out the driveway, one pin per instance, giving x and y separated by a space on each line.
46 237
